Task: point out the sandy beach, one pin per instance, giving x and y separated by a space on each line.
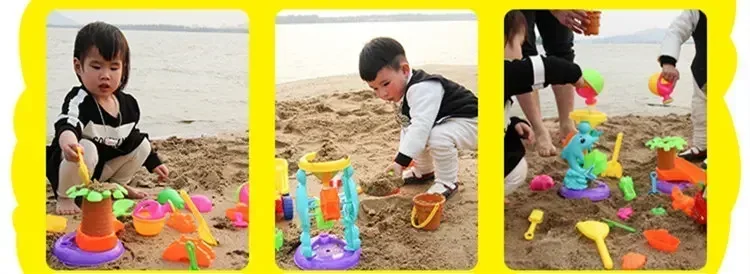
211 166
341 111
558 245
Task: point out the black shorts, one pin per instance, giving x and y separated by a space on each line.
557 39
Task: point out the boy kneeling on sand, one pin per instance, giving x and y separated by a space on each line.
438 116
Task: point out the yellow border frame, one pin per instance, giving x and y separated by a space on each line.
30 118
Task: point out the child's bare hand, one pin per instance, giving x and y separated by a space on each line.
575 20
670 73
394 168
525 131
69 145
162 171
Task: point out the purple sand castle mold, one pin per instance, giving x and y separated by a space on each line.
328 254
66 250
595 194
666 187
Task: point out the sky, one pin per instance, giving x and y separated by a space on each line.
613 22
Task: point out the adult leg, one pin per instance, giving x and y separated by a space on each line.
444 142
698 150
529 102
122 169
557 40
69 177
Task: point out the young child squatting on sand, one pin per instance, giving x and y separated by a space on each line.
522 76
438 116
101 119
690 23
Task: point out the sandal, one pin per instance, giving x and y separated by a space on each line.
693 154
448 192
413 179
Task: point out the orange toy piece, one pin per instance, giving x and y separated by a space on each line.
181 222
329 204
660 239
99 244
682 171
682 202
177 252
633 261
239 208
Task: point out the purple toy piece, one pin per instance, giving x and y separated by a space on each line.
666 187
595 194
68 253
328 254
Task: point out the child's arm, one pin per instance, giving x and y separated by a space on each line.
73 116
424 100
152 161
679 31
523 76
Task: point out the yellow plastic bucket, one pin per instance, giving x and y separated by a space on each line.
146 226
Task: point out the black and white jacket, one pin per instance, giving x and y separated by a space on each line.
430 99
113 136
690 23
524 76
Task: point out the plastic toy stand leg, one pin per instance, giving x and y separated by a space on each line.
330 254
595 194
66 250
303 213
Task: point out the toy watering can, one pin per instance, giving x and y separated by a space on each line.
661 87
594 86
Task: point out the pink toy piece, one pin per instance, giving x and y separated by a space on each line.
243 194
588 93
153 207
624 213
541 183
202 203
238 221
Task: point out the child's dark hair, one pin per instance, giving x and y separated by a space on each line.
377 54
110 42
515 23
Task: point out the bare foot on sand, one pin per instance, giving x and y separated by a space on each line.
544 146
134 193
66 206
566 128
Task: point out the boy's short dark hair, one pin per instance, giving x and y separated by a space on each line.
377 54
110 42
515 23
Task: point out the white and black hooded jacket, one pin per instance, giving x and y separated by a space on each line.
690 23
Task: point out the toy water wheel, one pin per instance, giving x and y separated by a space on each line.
324 171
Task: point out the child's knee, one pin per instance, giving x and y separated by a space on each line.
90 153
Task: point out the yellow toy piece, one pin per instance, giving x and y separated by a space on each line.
593 116
282 180
323 170
203 231
56 223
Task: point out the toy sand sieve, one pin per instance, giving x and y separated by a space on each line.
427 211
323 170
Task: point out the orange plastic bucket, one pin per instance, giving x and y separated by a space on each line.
427 211
147 226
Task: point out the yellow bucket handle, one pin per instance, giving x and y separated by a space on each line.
429 218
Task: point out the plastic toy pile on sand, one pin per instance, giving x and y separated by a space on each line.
558 245
214 167
365 128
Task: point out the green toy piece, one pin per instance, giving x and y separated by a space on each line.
658 211
322 223
667 143
95 196
122 207
616 224
172 195
594 79
279 239
626 185
597 159
190 246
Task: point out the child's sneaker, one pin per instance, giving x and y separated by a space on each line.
693 154
411 177
443 189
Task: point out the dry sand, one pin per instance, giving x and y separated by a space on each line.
558 245
211 166
339 109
